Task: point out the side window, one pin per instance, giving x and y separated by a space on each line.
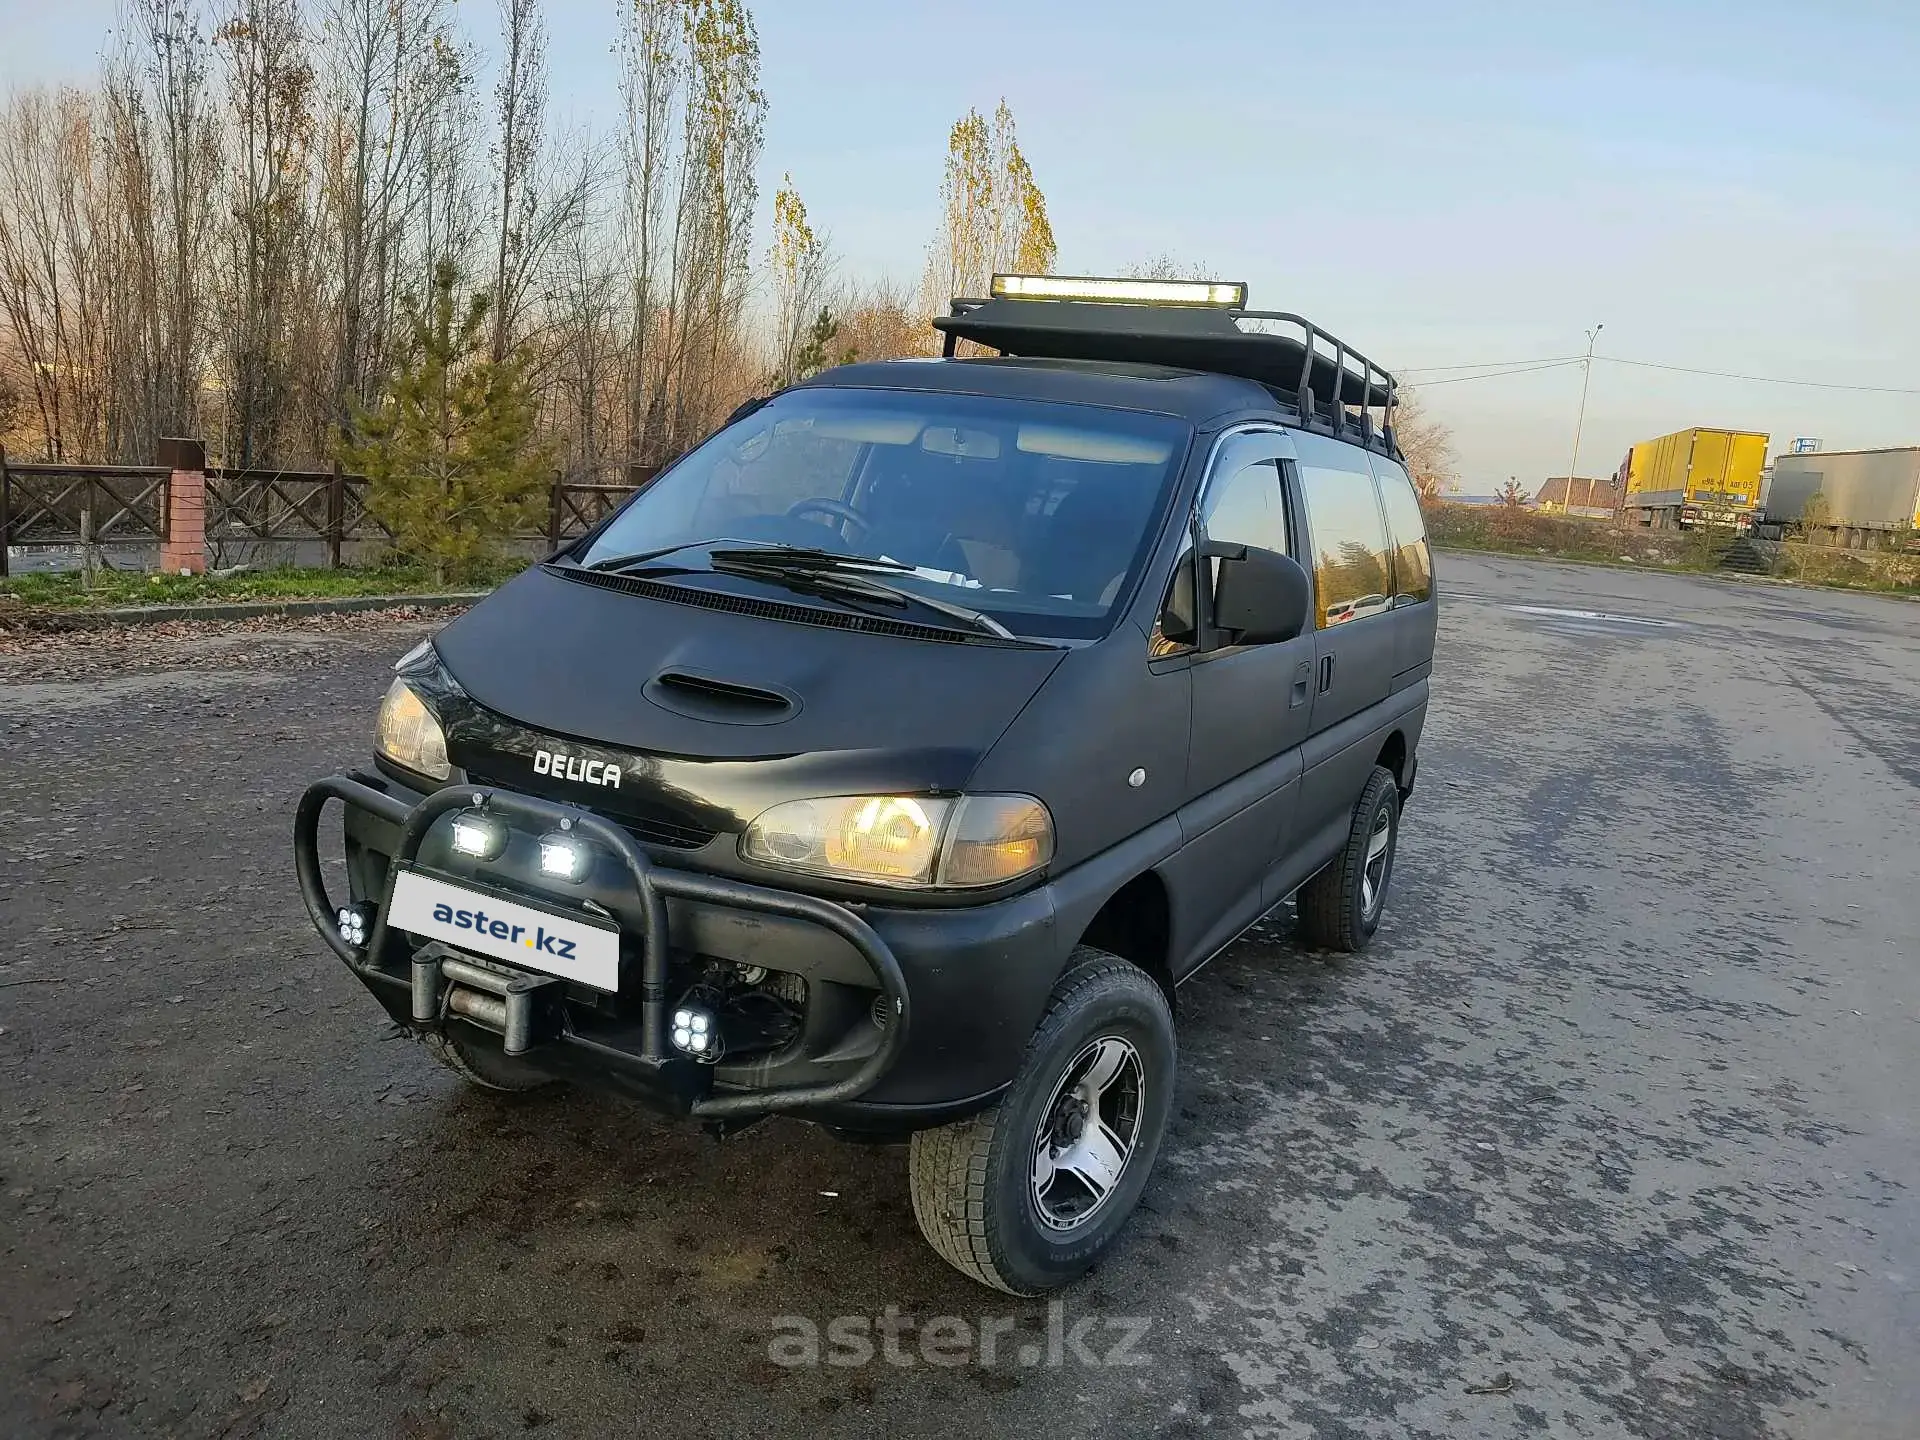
1352 578
1245 508
1412 561
1175 628
1242 505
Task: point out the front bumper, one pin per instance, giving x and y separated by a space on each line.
555 1025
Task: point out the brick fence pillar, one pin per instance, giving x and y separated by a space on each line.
185 546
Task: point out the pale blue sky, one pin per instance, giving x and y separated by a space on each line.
1725 185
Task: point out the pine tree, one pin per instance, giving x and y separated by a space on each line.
449 456
814 356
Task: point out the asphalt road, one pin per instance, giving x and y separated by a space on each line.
1610 1133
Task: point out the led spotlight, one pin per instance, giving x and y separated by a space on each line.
563 857
478 835
354 922
694 1033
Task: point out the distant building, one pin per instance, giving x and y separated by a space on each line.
1591 496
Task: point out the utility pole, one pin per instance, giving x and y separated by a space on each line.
1586 376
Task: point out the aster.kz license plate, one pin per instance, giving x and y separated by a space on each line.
517 934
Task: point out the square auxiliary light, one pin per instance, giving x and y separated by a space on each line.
562 856
478 835
693 1033
354 923
1227 294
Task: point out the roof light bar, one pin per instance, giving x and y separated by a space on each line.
1226 294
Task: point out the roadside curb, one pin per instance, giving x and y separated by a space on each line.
46 621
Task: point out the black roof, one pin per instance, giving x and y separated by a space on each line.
1192 395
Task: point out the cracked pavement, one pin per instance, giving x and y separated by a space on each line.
1610 1133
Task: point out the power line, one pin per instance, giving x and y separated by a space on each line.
1486 365
1764 379
1503 374
1500 369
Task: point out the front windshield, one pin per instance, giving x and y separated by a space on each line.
1038 514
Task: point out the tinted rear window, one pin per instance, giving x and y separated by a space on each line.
1351 571
1412 560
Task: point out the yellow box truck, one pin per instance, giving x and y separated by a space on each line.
1695 475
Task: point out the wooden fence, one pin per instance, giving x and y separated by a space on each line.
59 505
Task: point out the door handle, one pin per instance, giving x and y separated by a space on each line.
1302 677
1326 673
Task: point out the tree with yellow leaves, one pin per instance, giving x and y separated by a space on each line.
801 264
994 214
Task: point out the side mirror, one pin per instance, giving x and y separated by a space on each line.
1261 596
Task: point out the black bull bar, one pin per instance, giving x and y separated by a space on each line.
653 885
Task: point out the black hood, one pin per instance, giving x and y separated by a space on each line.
718 711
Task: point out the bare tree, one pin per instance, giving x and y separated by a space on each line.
521 99
394 69
225 236
1426 443
1165 266
50 291
653 62
268 227
695 119
881 322
164 151
585 333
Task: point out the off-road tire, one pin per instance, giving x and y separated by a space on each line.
481 1062
972 1180
1334 914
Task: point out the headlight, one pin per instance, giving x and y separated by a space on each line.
409 735
906 840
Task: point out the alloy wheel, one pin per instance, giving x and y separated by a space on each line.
1087 1132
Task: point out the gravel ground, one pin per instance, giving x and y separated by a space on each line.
1610 1133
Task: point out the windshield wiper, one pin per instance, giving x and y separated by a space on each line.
799 557
803 557
621 562
854 573
819 572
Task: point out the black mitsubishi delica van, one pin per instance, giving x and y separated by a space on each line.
891 758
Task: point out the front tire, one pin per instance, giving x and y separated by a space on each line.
1028 1195
1340 908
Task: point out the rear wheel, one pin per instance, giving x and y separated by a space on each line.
1028 1195
1340 908
480 1061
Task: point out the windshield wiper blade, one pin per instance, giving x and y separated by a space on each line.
827 562
614 563
801 557
846 575
978 619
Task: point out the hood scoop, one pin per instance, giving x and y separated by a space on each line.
718 700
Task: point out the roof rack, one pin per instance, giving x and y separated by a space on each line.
1191 325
